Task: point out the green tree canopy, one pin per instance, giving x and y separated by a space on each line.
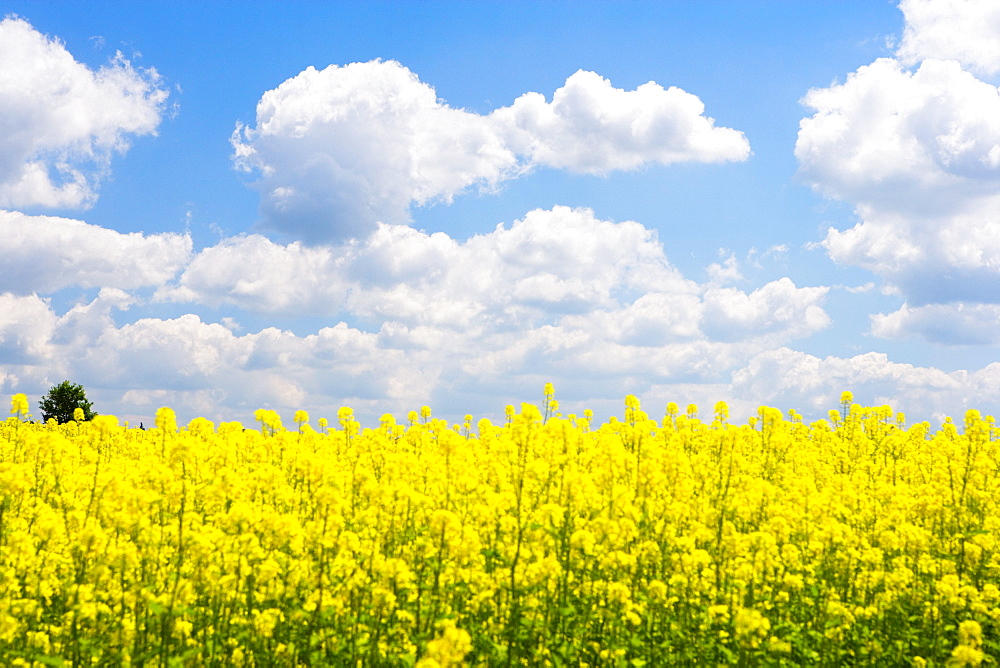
62 400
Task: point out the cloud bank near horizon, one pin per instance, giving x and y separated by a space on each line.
556 292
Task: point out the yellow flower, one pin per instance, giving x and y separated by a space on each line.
750 626
449 649
265 622
970 633
964 655
165 419
105 423
19 405
718 614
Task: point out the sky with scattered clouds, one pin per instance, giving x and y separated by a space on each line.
222 207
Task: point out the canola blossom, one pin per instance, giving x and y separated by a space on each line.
546 540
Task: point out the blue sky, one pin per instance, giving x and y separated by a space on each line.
229 206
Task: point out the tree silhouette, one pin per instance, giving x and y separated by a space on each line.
62 400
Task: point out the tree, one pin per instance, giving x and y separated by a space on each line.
62 400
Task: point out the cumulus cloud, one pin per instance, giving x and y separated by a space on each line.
552 261
467 338
962 30
546 269
905 141
556 291
793 379
44 254
204 368
434 319
62 122
960 323
339 149
778 308
913 143
257 274
27 325
592 127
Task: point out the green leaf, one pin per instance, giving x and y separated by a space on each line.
51 660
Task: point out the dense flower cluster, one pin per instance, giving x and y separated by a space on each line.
546 540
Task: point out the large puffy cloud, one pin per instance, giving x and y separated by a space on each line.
916 151
962 30
203 368
44 254
559 295
778 308
553 267
198 367
548 264
343 147
960 323
552 261
555 292
61 122
257 274
339 149
591 126
27 325
465 326
905 141
918 154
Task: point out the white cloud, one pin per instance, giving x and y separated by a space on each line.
339 149
45 253
792 379
260 275
917 153
434 320
779 308
27 325
592 127
203 368
553 267
62 122
961 324
726 272
552 261
911 142
962 30
644 329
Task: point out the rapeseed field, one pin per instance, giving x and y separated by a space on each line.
548 540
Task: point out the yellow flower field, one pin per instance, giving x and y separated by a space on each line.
546 540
